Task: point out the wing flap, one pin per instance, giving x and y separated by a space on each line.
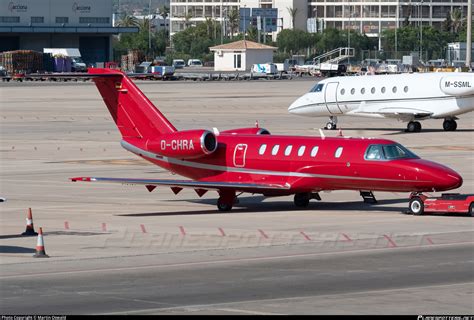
178 184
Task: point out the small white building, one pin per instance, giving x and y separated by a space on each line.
240 55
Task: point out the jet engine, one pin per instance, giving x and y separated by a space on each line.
188 144
252 130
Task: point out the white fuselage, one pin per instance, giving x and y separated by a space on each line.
402 96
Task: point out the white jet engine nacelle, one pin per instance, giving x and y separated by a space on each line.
458 85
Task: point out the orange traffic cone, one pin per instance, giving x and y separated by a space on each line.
30 229
40 253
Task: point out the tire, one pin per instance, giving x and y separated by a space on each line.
417 126
223 206
471 209
416 206
301 200
411 127
450 125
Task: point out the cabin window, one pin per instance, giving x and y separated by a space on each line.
353 91
318 87
343 91
301 151
372 90
338 152
394 89
362 90
405 89
288 150
383 89
275 149
262 149
314 151
374 152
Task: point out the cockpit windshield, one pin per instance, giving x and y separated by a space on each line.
318 87
388 152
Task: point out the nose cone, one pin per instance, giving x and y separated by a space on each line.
442 178
301 106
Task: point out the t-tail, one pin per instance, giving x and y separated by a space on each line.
135 116
142 125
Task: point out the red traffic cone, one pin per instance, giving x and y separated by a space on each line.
40 253
30 229
340 133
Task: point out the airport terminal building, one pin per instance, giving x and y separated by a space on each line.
38 24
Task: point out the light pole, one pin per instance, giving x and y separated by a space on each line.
223 25
245 26
469 34
149 27
420 18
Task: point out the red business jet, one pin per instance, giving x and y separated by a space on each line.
253 161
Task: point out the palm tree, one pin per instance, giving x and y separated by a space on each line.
128 21
292 12
144 24
234 18
457 20
165 12
187 19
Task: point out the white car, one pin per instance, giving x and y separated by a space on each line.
194 63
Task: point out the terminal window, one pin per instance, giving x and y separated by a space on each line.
62 19
94 20
37 19
9 19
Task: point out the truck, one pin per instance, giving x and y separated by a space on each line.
447 203
73 53
264 68
332 69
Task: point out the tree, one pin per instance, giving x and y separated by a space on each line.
234 18
293 41
128 21
165 12
292 12
457 20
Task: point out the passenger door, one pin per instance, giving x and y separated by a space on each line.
239 155
330 97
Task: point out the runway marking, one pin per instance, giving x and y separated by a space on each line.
222 232
142 226
263 233
225 261
391 243
305 236
429 240
346 237
247 311
181 229
204 306
104 227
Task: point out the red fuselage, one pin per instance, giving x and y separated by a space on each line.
238 158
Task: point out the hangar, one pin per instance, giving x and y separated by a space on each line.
38 24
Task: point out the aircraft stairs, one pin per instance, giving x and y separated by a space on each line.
334 56
368 197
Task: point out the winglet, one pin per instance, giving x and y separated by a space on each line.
88 179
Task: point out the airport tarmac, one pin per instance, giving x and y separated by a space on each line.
120 249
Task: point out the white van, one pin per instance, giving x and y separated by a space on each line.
178 63
194 63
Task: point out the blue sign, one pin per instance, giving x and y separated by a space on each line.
265 18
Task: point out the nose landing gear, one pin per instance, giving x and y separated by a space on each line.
332 124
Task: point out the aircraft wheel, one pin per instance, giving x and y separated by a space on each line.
471 209
449 125
416 206
302 200
414 126
223 206
330 126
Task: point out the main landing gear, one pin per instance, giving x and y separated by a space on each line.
332 124
414 126
449 125
226 200
302 199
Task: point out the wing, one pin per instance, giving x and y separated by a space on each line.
177 185
398 112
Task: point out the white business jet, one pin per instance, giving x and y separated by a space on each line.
406 97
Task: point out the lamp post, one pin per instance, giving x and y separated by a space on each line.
149 27
420 17
245 26
223 25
